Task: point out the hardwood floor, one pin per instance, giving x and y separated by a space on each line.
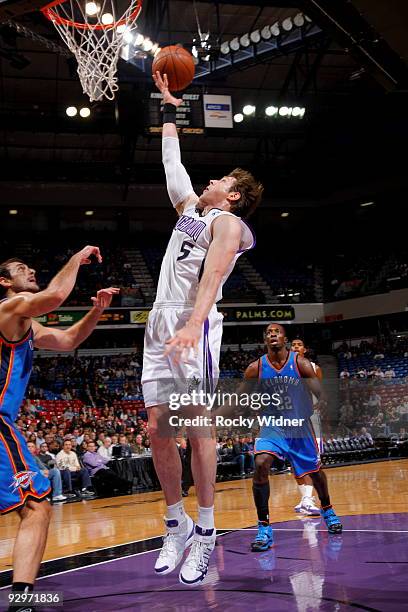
75 528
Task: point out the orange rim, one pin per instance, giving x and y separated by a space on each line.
53 16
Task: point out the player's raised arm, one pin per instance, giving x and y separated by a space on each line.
70 339
27 305
179 185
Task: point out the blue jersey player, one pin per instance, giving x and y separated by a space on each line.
22 486
281 371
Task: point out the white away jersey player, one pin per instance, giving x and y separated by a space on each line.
180 274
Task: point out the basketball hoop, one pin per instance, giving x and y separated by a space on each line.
95 34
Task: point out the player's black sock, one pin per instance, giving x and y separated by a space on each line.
320 484
21 587
261 499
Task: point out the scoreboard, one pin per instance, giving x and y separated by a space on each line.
189 117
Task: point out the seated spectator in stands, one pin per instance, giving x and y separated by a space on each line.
79 437
40 438
377 374
49 461
52 474
389 373
249 456
68 460
106 449
68 414
345 373
105 480
403 434
379 355
365 435
138 447
125 446
66 395
100 439
362 373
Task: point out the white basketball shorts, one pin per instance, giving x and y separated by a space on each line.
161 375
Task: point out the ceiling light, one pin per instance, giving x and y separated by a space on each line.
275 29
255 36
364 204
13 211
71 111
248 109
85 112
107 18
91 8
287 24
271 110
234 44
89 213
285 214
266 33
244 40
238 117
225 48
299 20
297 111
147 44
284 111
128 37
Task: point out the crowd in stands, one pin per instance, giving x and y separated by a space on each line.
80 409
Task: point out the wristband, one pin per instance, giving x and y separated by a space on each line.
169 113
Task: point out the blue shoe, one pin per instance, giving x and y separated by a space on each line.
264 538
332 521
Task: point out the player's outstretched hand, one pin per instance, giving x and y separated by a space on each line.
104 297
183 341
86 253
162 85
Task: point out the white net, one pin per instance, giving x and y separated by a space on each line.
95 32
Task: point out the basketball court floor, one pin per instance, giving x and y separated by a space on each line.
101 553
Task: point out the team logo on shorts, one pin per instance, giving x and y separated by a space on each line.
193 384
22 479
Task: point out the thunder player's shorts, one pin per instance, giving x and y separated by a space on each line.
20 478
301 451
161 375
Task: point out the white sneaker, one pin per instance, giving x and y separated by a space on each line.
58 498
195 566
175 542
308 507
298 507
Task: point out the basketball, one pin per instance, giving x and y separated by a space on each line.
178 64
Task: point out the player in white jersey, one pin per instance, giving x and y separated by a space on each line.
205 244
307 503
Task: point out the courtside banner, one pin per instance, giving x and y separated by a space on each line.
130 316
217 111
264 314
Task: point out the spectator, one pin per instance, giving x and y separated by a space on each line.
138 447
52 474
105 480
248 455
345 373
106 449
389 373
125 447
68 460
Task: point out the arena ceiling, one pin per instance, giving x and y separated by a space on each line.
351 76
